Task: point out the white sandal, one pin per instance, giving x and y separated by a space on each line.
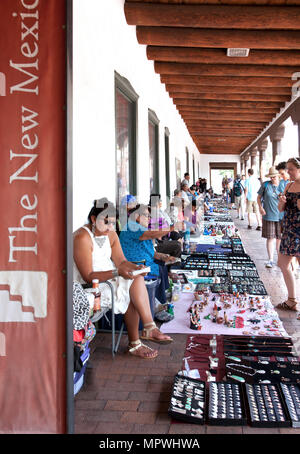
137 345
148 327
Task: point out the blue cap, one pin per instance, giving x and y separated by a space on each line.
127 199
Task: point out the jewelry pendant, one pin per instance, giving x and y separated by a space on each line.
100 241
235 358
237 378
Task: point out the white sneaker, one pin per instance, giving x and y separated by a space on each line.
269 264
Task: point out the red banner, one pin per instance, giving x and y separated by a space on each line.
32 204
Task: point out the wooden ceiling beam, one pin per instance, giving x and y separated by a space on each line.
218 56
228 133
211 16
228 89
234 129
225 116
234 110
217 151
207 136
231 96
217 144
231 124
222 143
199 69
214 102
219 148
217 2
229 81
225 38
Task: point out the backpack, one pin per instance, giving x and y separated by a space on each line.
238 188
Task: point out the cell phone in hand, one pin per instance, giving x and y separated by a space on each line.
141 271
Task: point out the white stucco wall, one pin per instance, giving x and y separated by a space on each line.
104 43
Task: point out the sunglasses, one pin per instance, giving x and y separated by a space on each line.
107 222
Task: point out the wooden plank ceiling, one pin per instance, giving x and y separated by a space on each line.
225 101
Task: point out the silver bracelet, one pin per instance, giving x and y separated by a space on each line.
115 273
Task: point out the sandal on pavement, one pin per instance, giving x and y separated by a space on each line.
288 307
148 328
145 353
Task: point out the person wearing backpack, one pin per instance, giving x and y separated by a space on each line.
238 189
267 199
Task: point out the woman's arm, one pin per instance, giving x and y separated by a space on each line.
282 199
153 234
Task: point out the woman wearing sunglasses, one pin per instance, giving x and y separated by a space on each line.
98 255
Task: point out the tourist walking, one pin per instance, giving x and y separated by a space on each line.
238 190
252 186
267 199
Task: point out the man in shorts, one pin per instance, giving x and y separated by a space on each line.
267 199
252 186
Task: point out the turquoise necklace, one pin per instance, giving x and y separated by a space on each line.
246 370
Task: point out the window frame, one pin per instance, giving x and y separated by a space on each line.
167 162
187 157
125 88
152 118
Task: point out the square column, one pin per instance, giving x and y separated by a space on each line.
275 138
253 155
295 115
262 147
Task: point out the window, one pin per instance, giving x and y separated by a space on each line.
194 176
126 113
153 151
178 173
187 160
167 162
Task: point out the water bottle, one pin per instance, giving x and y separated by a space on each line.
96 291
186 237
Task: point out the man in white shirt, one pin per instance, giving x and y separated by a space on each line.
185 195
186 179
252 186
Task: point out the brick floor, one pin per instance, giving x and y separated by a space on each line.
126 395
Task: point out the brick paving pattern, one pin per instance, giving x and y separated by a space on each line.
126 395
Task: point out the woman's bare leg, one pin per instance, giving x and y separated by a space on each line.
277 246
284 262
139 308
